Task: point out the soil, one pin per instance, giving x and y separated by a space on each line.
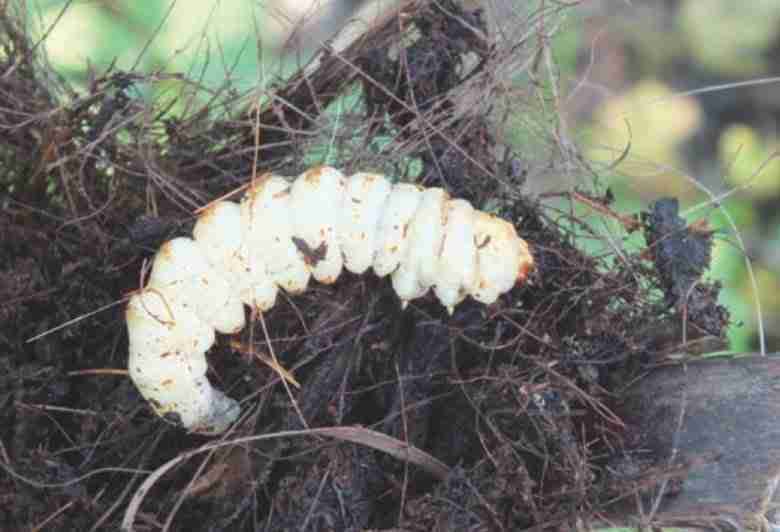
507 406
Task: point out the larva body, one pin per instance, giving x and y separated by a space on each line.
281 235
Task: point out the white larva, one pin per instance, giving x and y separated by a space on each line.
279 236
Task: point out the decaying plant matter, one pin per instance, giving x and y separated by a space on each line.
497 417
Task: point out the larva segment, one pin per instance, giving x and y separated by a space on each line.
221 237
266 223
181 270
167 346
157 323
502 257
392 236
315 202
417 270
457 262
364 202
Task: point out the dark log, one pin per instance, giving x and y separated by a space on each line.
706 436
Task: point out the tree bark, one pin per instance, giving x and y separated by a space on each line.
706 436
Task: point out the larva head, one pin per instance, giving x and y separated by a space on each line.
525 261
503 257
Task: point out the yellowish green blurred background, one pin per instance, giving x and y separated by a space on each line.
687 85
690 87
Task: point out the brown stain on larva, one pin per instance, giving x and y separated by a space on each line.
524 270
255 190
209 212
313 175
167 382
527 264
311 257
166 250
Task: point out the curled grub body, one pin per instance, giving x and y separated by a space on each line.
280 236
